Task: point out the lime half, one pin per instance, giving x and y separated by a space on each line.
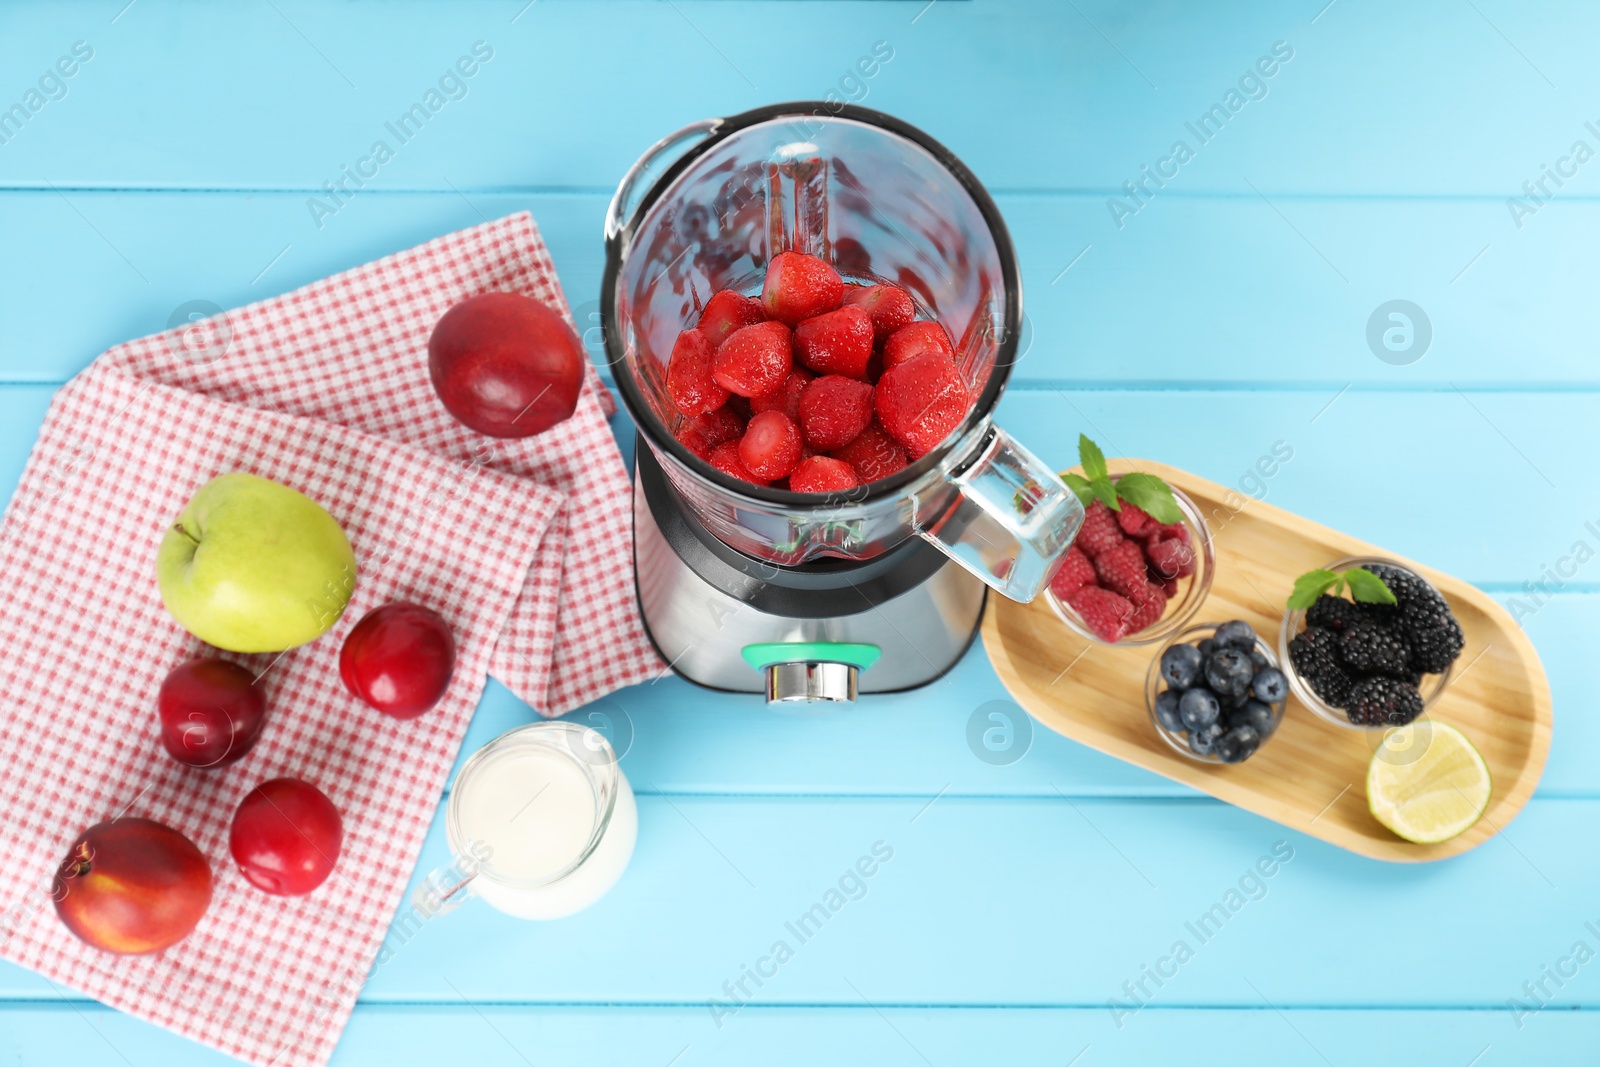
1427 783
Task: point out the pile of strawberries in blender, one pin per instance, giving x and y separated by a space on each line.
817 385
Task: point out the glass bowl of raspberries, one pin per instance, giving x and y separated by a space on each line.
1215 692
1130 580
1370 660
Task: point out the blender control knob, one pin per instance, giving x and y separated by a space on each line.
811 682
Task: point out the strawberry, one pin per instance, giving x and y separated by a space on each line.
889 305
689 380
835 410
754 360
693 440
799 286
1105 613
1100 530
921 401
1121 569
1171 559
723 424
727 311
787 397
1135 521
1074 573
823 474
839 342
874 454
770 446
915 340
725 457
1149 604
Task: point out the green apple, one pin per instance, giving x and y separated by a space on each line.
253 566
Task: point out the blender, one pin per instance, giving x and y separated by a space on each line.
814 597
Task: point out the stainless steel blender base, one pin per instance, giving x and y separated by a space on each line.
702 631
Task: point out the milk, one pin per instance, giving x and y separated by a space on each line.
532 805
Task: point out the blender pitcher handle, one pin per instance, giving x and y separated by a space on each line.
636 180
1012 520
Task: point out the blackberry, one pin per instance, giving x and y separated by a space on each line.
1371 649
1406 587
1315 654
1383 702
1335 613
1433 634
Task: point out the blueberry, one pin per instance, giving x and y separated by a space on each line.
1258 659
1181 666
1199 707
1270 685
1203 742
1255 715
1229 671
1206 647
1167 711
1236 634
1237 745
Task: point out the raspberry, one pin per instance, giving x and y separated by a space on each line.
823 474
921 401
839 342
1121 569
889 305
1100 530
800 286
1074 573
689 380
1170 559
1135 521
835 410
1169 587
1168 532
917 339
725 457
1149 604
726 312
874 454
754 360
787 397
770 446
1105 613
1383 702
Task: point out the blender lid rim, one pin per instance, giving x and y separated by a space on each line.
722 128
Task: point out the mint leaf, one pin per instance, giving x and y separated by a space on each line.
1311 585
1368 587
1106 493
1150 493
1080 487
1093 460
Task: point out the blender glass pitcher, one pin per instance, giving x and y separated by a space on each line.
705 209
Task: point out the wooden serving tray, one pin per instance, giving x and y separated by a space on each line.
1310 775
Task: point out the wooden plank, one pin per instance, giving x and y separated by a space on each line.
628 1037
1198 293
948 920
1032 95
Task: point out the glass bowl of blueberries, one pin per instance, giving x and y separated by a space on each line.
1215 692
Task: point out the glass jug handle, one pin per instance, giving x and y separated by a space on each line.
1012 521
646 170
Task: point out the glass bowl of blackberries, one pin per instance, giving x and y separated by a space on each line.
1215 692
1368 643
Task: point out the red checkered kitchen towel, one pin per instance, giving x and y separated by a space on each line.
522 545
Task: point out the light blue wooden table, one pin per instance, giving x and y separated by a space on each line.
1228 313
